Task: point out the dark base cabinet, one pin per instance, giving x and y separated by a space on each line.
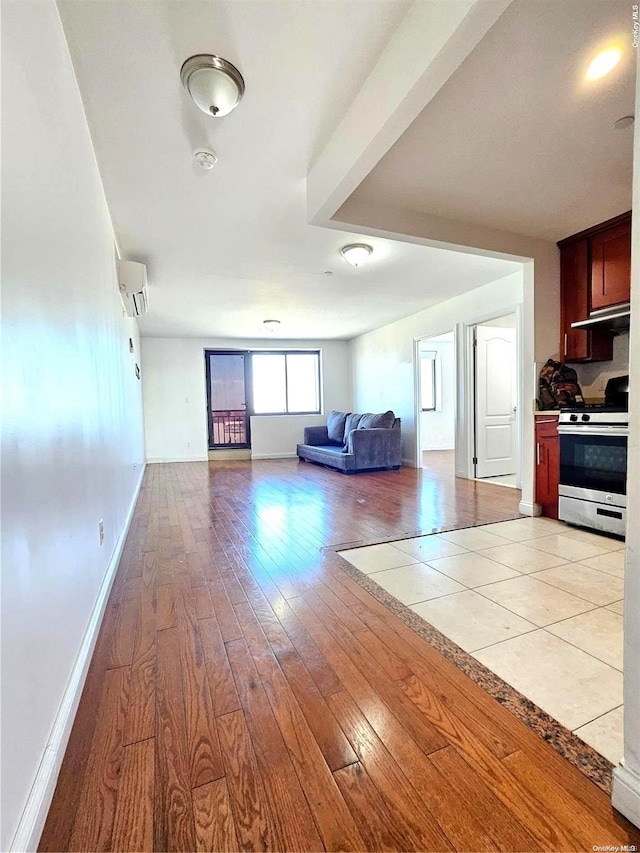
547 464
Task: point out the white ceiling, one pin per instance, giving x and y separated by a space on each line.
517 138
229 248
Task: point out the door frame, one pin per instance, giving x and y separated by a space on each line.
469 424
416 389
247 391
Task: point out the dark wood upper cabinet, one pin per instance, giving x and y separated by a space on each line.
611 266
576 344
595 273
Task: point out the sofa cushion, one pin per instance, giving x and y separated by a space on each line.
328 455
351 423
383 420
335 426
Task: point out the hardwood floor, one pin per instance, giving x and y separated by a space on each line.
247 694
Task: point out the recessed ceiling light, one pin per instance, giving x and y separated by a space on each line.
624 122
205 158
215 85
271 325
603 63
356 253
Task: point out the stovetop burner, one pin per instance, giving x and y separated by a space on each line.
594 407
607 417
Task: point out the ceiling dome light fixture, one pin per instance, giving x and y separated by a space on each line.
205 158
214 84
623 123
356 254
603 63
271 325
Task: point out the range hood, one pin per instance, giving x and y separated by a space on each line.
615 319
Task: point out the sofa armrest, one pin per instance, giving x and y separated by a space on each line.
316 435
375 448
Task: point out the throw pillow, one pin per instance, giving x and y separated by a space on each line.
335 426
352 423
384 420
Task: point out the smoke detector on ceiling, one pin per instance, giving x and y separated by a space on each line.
205 158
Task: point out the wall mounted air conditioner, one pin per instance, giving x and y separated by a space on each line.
132 281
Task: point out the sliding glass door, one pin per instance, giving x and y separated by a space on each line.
228 417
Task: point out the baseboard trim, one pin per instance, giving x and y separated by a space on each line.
410 463
625 793
528 508
273 456
158 460
34 815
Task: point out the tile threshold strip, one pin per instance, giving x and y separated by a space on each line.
385 540
593 765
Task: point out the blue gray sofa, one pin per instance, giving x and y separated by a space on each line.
352 442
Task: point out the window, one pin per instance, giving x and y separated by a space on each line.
285 383
428 381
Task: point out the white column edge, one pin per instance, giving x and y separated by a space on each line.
528 508
625 793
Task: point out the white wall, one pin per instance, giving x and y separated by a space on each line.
175 403
438 429
383 373
626 777
507 322
593 377
540 316
72 422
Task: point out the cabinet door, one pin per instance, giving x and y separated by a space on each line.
579 344
611 266
574 289
547 468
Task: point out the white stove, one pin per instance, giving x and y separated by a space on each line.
593 467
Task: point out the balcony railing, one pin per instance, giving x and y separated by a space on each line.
229 427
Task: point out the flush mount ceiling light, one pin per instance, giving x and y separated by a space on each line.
603 63
356 253
205 158
271 325
623 123
214 84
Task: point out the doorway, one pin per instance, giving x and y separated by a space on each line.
437 403
495 395
227 411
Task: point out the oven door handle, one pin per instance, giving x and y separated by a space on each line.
593 430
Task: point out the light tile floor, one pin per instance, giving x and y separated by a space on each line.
536 601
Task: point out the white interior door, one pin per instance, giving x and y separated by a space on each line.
495 401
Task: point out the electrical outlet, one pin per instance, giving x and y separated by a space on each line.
135 466
101 530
